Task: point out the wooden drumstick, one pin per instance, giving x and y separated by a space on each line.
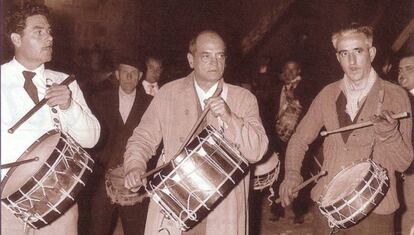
18 163
304 184
362 124
41 103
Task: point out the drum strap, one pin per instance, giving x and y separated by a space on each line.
54 110
378 111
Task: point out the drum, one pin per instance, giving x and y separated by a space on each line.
198 179
40 192
266 172
353 193
116 191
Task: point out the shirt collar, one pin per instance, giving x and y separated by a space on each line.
39 70
122 93
146 83
412 91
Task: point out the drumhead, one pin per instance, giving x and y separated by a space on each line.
266 166
16 177
345 183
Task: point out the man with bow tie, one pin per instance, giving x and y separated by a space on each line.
25 81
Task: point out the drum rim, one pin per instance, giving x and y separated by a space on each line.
237 175
63 204
34 145
349 166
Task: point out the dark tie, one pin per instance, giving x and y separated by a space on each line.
29 86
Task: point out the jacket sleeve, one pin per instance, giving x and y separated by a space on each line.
245 129
146 137
305 133
79 121
396 152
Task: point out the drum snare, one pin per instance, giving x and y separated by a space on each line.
198 179
353 193
40 192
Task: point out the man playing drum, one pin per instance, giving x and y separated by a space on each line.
172 114
361 95
24 81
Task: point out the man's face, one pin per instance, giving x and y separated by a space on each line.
209 58
154 69
406 72
34 46
128 77
290 71
355 56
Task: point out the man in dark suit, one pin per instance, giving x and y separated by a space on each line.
119 111
291 99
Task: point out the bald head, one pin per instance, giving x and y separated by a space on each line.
202 37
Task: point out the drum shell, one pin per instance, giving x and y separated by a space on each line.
348 210
48 193
117 192
176 167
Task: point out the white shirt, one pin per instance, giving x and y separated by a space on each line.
202 96
125 103
150 88
77 120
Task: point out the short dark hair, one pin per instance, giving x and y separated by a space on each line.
16 19
131 61
405 54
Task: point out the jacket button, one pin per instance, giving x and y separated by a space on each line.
186 112
181 139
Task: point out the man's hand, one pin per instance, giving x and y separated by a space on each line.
219 108
286 191
384 124
59 95
133 180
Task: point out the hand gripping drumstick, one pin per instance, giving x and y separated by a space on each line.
361 125
41 103
304 184
189 136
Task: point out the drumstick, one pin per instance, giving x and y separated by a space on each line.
67 81
362 124
304 184
189 136
18 163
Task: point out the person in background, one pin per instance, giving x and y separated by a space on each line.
359 96
152 75
406 80
119 110
172 114
25 81
290 102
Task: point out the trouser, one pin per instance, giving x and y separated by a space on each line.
104 215
372 224
66 224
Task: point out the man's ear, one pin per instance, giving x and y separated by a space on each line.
190 59
16 39
140 75
372 53
117 74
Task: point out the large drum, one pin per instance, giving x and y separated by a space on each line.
353 193
40 192
117 192
266 172
198 179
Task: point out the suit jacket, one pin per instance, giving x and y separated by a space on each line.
111 146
